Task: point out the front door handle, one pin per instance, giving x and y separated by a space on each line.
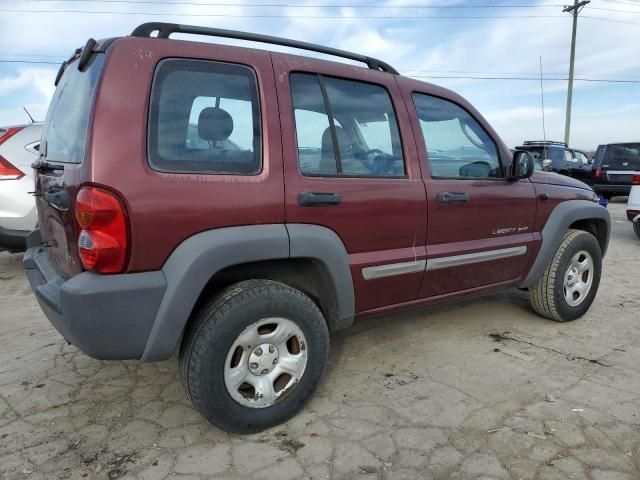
452 197
318 199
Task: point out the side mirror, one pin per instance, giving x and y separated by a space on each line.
547 164
523 165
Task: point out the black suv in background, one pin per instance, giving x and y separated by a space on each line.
564 160
614 165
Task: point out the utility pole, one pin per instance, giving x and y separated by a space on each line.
573 10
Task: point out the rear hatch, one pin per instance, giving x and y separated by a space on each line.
620 162
62 167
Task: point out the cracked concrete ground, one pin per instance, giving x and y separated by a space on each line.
431 393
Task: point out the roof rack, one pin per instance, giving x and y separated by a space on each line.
544 142
166 29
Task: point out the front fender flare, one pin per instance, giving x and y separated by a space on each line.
561 218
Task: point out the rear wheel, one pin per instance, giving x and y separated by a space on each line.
570 282
254 355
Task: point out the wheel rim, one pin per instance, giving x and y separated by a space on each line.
265 362
578 278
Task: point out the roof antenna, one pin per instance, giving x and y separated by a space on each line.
544 132
30 117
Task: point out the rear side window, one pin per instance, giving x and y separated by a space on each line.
622 156
345 127
204 117
67 121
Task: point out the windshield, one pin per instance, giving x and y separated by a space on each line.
67 122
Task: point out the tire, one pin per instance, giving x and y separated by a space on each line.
547 296
636 228
238 314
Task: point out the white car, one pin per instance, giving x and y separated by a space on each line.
19 148
633 204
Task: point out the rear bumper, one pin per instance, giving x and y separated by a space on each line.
15 240
618 189
107 317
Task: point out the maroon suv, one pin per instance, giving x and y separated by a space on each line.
237 205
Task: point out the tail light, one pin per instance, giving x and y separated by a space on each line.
8 132
635 180
8 171
102 243
598 173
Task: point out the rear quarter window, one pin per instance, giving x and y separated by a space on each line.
204 117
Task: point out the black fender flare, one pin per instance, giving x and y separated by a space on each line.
561 218
197 259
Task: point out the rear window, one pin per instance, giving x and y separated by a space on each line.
204 117
67 121
624 156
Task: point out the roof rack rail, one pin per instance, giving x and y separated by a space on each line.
166 29
544 142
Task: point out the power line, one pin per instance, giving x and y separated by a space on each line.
418 71
632 12
221 4
29 61
456 77
339 17
534 79
313 17
622 3
609 20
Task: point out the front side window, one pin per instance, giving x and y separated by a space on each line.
204 118
457 146
344 127
568 156
582 158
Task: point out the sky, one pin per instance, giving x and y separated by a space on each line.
433 40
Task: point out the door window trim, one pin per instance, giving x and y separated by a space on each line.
503 176
334 137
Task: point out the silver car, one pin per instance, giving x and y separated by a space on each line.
19 148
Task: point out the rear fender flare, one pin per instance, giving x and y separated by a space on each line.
197 260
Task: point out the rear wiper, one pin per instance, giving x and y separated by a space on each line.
44 166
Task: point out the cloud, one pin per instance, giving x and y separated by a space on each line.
418 46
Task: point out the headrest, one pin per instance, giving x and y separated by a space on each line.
214 124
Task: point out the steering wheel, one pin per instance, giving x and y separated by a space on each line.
375 167
470 135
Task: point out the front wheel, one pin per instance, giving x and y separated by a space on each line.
570 282
254 355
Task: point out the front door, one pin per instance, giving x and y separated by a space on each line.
351 166
480 229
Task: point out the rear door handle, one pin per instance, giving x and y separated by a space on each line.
452 197
318 199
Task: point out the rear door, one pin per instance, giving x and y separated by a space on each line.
351 166
62 170
480 229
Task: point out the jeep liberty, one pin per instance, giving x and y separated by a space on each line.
236 205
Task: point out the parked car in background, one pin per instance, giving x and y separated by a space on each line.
560 158
258 200
633 204
614 166
19 148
